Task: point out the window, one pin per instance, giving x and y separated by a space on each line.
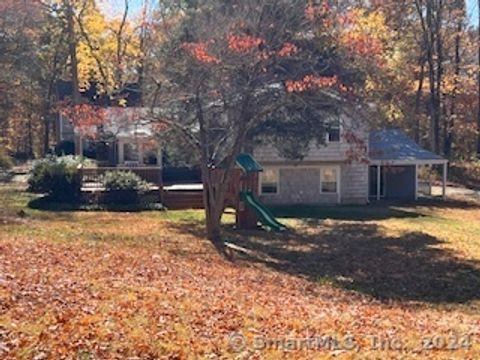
269 181
333 131
130 152
328 180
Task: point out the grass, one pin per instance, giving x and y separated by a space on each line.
147 284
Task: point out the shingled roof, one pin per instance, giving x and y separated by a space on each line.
394 146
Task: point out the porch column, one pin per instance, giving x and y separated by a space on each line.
140 152
79 145
416 182
160 157
444 184
379 180
121 154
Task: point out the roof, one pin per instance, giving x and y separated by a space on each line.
131 93
128 122
394 146
248 164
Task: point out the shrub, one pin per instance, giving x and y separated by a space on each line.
123 187
5 161
56 176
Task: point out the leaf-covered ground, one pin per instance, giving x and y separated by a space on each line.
384 282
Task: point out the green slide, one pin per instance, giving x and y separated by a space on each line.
265 216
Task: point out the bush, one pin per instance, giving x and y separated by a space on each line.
56 176
6 162
123 187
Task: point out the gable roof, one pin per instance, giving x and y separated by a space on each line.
248 164
394 146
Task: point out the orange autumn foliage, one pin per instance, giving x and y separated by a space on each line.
363 34
199 52
310 82
287 50
313 11
362 44
84 117
244 43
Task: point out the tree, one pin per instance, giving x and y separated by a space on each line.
236 69
22 57
478 111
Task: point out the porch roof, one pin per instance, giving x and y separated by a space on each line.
393 146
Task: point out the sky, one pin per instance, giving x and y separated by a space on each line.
115 7
472 10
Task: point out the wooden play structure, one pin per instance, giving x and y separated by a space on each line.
242 195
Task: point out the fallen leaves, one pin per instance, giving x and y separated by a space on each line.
117 286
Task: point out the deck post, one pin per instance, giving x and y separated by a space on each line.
379 178
444 183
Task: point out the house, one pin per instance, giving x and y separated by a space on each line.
122 137
389 168
125 138
328 174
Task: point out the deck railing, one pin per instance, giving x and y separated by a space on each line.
93 175
424 187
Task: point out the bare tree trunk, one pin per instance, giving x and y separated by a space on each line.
434 44
430 41
478 110
418 98
46 133
120 47
47 115
213 192
30 125
216 182
214 200
72 49
439 74
450 124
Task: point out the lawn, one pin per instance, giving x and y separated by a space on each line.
372 282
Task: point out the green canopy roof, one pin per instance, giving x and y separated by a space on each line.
248 164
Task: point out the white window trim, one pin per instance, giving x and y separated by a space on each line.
338 172
340 132
260 183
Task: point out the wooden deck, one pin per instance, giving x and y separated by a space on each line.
183 199
175 197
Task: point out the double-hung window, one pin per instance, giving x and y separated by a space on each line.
269 181
333 131
329 180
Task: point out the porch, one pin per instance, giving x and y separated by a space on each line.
400 169
128 152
